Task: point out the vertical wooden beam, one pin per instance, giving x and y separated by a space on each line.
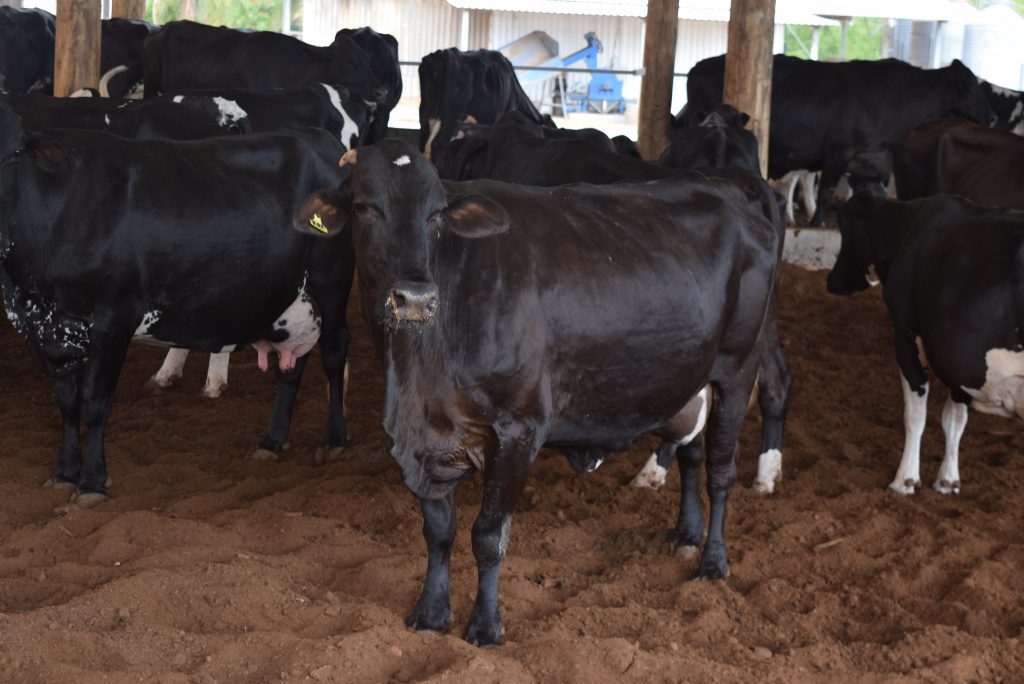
748 67
656 89
128 9
76 62
187 9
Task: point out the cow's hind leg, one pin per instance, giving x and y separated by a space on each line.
954 420
69 397
333 353
433 609
105 361
506 468
774 383
722 436
171 368
272 444
689 531
217 375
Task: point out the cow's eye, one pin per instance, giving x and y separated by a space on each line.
362 208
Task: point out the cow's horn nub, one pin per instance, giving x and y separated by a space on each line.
350 157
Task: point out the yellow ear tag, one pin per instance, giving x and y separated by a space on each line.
317 223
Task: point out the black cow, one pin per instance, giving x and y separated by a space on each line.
956 156
718 141
178 118
581 318
27 43
548 163
186 55
478 85
823 112
331 108
179 243
951 273
122 41
26 50
1008 106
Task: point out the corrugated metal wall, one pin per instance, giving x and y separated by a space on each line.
422 26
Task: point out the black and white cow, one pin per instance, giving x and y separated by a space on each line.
823 113
951 273
186 55
1008 106
456 86
582 318
122 42
331 108
177 118
383 51
533 161
99 247
26 50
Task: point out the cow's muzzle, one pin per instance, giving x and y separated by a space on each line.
414 301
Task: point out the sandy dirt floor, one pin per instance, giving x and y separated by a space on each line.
207 567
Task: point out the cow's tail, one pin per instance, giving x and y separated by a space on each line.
104 86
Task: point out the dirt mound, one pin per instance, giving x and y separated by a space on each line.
209 567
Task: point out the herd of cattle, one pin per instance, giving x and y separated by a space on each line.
525 286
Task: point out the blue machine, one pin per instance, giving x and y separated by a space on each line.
603 93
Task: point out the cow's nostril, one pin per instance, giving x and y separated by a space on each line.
398 300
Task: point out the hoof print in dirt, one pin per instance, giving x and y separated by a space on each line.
264 455
328 455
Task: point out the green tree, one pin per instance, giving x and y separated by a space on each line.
863 40
261 15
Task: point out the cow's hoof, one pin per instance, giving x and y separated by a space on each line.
763 486
214 391
89 499
713 564
264 455
947 487
904 487
686 552
328 455
434 620
484 632
158 384
57 482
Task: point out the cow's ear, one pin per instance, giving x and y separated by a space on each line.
476 216
50 154
323 214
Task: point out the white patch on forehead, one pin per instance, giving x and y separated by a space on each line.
349 130
230 112
1003 391
402 161
178 99
652 476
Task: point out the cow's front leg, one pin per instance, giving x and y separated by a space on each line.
272 444
433 609
334 342
69 397
690 525
506 468
105 362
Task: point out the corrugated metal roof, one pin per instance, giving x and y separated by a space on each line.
812 12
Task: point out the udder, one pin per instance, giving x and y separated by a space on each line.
294 334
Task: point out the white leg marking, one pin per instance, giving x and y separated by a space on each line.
954 420
809 190
174 362
769 471
217 375
915 412
435 128
652 476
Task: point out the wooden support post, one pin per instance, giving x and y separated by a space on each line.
659 66
128 9
76 62
748 67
